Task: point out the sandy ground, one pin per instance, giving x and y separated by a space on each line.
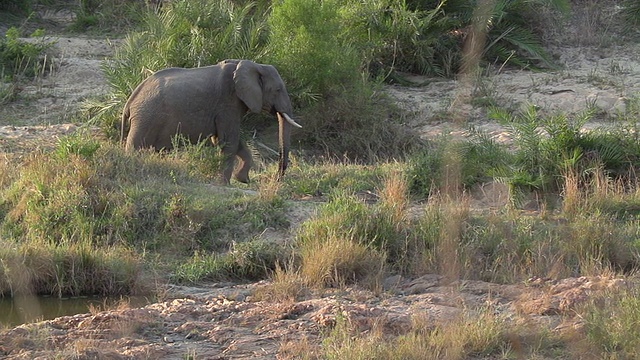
607 80
230 322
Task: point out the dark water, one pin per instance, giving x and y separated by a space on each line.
25 309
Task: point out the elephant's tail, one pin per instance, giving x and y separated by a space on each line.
124 121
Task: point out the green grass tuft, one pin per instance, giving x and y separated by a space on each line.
252 260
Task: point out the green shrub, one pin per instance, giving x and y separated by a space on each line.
78 145
20 58
346 219
251 260
550 147
609 323
457 164
20 61
305 44
108 15
391 36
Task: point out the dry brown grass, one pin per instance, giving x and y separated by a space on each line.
269 186
300 349
337 261
394 196
119 305
286 286
475 332
580 194
447 256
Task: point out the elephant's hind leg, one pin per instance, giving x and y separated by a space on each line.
244 154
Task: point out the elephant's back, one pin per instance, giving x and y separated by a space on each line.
181 92
200 73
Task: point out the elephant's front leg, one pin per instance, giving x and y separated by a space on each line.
229 155
245 162
229 148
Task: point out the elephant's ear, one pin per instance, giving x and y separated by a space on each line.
248 84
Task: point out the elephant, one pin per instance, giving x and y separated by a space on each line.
208 103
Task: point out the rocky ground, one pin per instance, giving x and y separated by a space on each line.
232 321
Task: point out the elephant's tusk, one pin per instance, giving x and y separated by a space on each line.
291 121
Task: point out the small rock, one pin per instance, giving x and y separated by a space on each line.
392 282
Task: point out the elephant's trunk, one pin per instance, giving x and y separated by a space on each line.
284 126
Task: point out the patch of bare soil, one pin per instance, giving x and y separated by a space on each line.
230 322
46 106
606 80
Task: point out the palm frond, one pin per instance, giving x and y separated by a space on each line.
631 14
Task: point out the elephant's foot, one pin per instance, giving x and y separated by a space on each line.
243 178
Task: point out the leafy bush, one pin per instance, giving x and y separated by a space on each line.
108 15
550 147
251 260
609 322
20 58
306 45
391 36
631 13
457 164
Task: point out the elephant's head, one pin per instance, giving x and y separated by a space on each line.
260 87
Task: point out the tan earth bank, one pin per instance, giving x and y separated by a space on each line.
231 322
